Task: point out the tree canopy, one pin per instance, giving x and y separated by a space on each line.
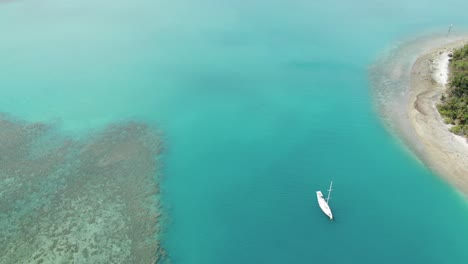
454 105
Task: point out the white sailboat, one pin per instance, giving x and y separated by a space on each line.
323 203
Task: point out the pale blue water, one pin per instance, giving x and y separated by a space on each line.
262 103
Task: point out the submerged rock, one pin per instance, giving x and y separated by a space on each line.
79 201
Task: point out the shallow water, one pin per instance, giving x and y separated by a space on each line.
69 201
261 103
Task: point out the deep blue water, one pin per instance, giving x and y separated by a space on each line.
262 103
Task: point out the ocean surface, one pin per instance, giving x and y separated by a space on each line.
261 103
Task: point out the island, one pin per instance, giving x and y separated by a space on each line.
433 86
413 81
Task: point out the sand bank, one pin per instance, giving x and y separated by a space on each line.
444 152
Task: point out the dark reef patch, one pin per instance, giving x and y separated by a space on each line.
94 200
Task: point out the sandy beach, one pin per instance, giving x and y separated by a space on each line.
441 150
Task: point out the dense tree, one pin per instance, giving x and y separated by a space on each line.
454 106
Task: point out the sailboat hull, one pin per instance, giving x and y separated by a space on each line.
324 205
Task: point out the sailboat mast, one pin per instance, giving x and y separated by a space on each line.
329 191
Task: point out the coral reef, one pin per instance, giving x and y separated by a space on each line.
93 200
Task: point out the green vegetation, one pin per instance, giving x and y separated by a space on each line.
454 106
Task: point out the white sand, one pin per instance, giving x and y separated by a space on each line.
441 69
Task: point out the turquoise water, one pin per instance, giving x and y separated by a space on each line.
262 103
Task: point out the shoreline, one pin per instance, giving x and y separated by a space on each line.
443 151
